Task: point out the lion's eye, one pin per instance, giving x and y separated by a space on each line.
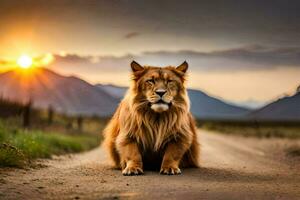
170 81
151 81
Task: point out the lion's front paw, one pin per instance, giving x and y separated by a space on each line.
130 171
170 171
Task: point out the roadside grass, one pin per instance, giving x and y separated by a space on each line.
18 147
254 129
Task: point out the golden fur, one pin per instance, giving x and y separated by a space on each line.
152 127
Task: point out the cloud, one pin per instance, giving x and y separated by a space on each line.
6 64
89 64
254 57
131 35
72 58
3 62
268 56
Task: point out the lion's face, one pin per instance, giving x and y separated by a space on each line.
159 87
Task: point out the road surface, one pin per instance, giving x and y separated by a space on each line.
233 167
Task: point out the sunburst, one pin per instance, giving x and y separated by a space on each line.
25 61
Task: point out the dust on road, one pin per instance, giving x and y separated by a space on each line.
233 167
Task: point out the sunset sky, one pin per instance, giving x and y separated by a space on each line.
241 51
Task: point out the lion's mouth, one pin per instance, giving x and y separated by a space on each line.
160 106
161 102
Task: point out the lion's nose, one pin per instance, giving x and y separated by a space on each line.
160 92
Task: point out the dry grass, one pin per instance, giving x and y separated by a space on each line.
256 129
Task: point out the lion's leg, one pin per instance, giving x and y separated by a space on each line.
114 155
191 157
172 157
131 159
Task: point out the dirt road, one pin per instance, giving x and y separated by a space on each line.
232 168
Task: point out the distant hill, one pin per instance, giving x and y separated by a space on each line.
115 91
205 106
65 94
202 105
287 108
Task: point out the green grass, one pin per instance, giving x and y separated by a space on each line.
19 147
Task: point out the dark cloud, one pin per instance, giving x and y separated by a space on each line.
7 63
253 57
3 62
131 35
265 56
267 22
72 58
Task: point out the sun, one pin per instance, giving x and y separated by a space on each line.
24 61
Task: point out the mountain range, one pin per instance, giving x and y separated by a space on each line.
65 94
72 95
283 109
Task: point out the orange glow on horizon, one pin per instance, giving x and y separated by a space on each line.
26 62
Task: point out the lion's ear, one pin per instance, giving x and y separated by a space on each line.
183 67
136 66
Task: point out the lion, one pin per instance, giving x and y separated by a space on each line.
153 128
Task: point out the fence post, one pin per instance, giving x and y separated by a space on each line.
79 123
26 115
50 115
